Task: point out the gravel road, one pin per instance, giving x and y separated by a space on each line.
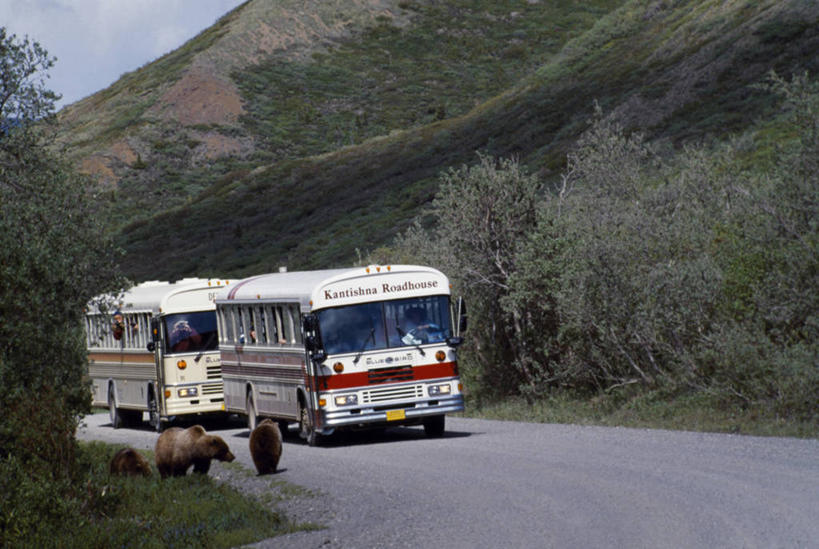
508 484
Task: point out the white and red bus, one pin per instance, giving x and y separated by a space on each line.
343 348
154 348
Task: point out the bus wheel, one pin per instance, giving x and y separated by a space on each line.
113 412
434 426
252 417
153 413
306 430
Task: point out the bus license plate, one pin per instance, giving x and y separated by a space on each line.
394 415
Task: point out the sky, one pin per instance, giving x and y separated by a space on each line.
97 41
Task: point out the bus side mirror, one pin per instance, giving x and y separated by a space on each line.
313 346
461 316
310 323
156 332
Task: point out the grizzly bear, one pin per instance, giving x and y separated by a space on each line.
266 446
130 462
177 449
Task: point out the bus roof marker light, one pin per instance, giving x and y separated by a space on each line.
181 364
338 367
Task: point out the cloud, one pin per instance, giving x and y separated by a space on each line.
96 41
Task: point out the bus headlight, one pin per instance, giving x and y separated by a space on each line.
435 390
187 392
346 400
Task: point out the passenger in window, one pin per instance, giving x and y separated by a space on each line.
117 326
184 337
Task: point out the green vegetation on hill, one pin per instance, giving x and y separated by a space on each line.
678 72
450 58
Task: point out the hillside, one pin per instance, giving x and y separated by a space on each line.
329 147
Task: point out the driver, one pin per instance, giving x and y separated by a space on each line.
415 323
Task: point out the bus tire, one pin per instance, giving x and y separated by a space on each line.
306 429
434 426
252 416
113 411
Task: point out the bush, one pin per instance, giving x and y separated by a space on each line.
686 271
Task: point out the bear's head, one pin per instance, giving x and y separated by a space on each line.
217 448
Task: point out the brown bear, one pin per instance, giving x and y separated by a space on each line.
130 462
266 446
177 449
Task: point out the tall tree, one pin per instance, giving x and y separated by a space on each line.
54 256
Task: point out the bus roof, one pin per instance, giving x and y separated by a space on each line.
336 287
157 296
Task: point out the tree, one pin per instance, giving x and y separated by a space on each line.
54 255
482 214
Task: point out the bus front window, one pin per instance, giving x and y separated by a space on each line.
191 332
418 321
352 329
386 324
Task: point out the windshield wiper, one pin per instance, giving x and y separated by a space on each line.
403 334
364 345
204 347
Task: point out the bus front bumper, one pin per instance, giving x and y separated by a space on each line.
397 413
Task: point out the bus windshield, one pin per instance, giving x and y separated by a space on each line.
385 324
191 332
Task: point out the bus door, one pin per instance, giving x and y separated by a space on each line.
156 345
315 356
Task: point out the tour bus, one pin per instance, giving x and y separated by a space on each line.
342 348
154 348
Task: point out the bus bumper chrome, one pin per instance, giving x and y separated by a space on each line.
413 412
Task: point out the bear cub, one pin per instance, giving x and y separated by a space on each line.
177 449
130 462
266 446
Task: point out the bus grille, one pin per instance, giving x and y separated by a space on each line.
390 375
211 388
392 393
215 371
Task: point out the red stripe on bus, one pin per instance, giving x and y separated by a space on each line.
362 379
232 292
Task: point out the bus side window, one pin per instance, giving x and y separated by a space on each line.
89 334
287 325
277 312
230 329
294 322
261 325
241 333
264 314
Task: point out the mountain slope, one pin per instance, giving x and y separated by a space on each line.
678 71
273 81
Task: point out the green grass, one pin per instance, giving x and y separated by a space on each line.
191 511
653 410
